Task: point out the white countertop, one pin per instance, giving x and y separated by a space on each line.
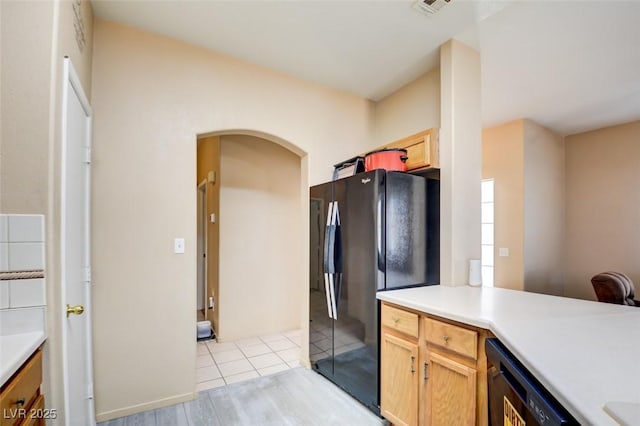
587 354
15 349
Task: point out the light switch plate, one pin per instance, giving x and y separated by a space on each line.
178 245
503 252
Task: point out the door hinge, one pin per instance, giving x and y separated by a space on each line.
87 155
90 391
87 275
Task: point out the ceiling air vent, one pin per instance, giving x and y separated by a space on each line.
430 7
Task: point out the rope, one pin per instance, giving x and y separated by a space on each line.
21 275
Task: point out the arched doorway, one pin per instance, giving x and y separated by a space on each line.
254 220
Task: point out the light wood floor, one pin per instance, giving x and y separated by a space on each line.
298 397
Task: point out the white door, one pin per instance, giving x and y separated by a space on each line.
74 250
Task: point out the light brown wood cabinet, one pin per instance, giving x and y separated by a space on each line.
447 385
20 399
423 149
399 381
450 394
35 416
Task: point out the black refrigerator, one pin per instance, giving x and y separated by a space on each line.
370 232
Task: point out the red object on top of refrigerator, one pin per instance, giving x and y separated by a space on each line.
389 159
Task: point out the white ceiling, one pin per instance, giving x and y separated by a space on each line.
571 66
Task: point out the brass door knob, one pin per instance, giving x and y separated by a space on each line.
76 310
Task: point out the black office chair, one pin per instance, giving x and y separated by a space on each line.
614 287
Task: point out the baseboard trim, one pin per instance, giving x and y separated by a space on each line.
135 409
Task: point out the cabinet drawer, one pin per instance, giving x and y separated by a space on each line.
452 337
35 417
23 390
397 319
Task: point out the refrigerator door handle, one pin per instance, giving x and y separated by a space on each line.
328 241
328 285
328 259
335 294
330 272
337 239
333 260
380 235
337 260
331 300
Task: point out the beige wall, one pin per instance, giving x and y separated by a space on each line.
603 206
24 105
31 67
152 96
1 106
30 106
460 161
67 44
502 160
260 289
544 210
526 162
411 109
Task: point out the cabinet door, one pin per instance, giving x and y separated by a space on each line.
450 398
422 149
21 392
399 380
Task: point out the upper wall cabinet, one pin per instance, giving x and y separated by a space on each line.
423 149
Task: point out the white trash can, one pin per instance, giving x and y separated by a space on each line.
204 329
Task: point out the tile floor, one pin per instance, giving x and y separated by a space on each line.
220 364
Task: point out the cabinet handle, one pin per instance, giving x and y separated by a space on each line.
20 402
424 370
446 339
413 370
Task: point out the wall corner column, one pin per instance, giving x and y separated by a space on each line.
460 161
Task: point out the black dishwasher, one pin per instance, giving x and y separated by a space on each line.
516 398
